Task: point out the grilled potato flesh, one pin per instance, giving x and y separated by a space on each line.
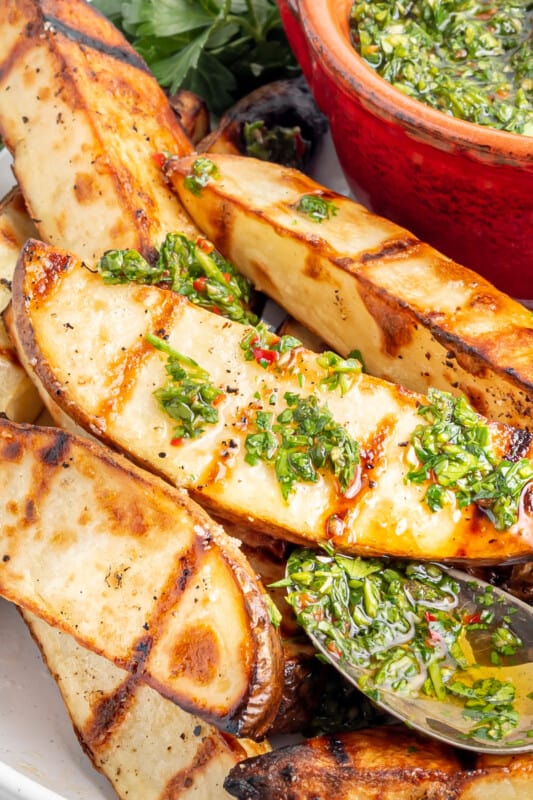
105 382
138 573
77 101
145 745
360 282
19 399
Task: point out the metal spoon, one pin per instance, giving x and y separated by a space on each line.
443 719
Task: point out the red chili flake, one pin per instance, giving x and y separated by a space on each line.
159 159
216 310
198 284
176 441
204 244
227 276
300 145
219 398
430 617
334 648
260 354
471 619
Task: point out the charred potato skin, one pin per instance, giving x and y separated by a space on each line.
379 764
76 97
358 281
232 679
388 763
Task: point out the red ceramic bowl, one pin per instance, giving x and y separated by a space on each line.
466 189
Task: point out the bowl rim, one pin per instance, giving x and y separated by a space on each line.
329 36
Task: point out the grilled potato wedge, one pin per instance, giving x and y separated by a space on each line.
19 399
378 764
360 282
105 382
84 118
389 763
145 745
138 573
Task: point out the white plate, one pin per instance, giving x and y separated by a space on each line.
40 756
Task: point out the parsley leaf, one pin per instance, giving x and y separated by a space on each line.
220 49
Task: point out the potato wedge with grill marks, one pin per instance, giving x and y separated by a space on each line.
83 118
145 745
106 381
389 763
361 282
136 571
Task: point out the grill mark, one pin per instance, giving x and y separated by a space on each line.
124 369
54 263
185 778
57 453
54 25
109 713
393 247
186 568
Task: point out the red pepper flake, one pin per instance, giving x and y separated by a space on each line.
176 441
430 617
216 310
159 159
227 276
260 355
471 619
199 284
219 398
204 244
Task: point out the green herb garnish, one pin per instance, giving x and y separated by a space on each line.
316 207
188 397
262 345
340 372
192 269
202 171
455 455
303 439
402 624
219 49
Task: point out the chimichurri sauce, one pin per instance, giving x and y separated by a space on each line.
404 624
469 58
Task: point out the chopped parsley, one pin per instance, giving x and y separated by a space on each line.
190 268
188 397
340 372
402 623
303 439
316 208
202 171
262 345
455 456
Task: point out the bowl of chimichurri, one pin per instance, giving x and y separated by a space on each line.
430 106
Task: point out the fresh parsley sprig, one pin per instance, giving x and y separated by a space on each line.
220 49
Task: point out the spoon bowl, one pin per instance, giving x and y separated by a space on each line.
493 666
